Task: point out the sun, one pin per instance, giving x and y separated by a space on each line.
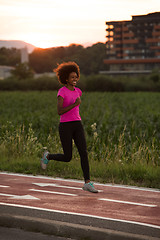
41 41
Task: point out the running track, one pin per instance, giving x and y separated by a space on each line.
113 202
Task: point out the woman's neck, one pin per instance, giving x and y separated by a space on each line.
70 87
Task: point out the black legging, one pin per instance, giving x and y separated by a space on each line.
68 131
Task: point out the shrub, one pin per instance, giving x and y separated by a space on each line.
103 83
99 83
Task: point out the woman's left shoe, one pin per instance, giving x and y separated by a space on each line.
44 160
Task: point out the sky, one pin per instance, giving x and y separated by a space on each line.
52 23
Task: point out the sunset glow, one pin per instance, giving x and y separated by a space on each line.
52 23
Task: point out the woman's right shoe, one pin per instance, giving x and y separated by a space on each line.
89 187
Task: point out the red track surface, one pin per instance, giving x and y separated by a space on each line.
129 208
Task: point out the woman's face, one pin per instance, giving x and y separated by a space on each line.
72 79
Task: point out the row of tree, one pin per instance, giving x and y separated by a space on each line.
90 59
92 83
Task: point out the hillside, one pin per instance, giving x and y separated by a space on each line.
16 44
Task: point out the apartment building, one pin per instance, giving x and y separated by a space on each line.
134 45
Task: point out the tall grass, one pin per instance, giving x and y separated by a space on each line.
122 132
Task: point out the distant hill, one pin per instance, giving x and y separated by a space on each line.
16 44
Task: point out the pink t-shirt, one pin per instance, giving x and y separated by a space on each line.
70 98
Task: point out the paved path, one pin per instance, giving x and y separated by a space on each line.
17 234
114 207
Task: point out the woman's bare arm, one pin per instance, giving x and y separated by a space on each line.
61 110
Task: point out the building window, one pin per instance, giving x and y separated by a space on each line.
110 26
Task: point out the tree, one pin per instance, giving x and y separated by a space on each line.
22 71
9 57
91 59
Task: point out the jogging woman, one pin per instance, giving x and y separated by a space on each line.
70 127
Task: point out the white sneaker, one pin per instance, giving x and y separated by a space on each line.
89 187
44 160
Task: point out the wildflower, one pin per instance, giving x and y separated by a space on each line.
94 126
120 161
95 135
45 148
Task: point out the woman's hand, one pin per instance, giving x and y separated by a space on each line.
78 101
61 110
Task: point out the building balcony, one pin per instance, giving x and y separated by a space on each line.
129 34
157 27
152 40
154 34
131 61
157 54
155 47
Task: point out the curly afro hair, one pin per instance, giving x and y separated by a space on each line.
64 69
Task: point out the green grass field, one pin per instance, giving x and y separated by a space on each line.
122 131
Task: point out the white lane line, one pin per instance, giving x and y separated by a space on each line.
129 187
55 185
80 214
60 186
60 193
3 186
125 202
29 197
